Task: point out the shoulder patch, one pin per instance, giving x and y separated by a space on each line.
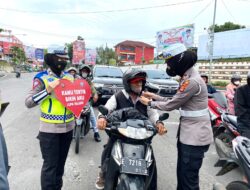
36 82
184 85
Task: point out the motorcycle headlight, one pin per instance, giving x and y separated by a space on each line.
98 85
135 133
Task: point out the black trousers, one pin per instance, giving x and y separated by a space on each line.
188 165
54 148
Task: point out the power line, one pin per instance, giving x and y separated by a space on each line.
228 11
202 10
97 12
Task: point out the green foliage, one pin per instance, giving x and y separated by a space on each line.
220 83
1 30
70 50
104 55
112 61
80 38
18 55
227 26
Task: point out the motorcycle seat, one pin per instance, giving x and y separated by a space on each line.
232 119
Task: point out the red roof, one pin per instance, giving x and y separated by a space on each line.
134 43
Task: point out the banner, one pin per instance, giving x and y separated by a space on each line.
228 44
78 51
39 54
90 56
182 34
29 52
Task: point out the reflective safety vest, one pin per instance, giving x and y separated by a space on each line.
52 111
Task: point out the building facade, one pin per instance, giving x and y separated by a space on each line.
134 52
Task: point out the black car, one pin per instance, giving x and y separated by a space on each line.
107 81
158 79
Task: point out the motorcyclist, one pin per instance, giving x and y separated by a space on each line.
230 91
84 72
73 72
195 132
210 88
134 83
56 121
242 108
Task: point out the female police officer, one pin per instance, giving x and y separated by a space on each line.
195 132
56 121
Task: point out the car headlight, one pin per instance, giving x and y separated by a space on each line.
154 85
136 133
98 85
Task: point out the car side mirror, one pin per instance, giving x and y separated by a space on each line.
103 110
164 116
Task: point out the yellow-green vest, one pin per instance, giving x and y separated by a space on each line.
52 111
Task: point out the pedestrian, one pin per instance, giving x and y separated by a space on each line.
134 83
210 88
242 108
56 121
195 132
84 72
73 71
230 91
4 164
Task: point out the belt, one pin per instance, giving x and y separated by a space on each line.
56 117
197 113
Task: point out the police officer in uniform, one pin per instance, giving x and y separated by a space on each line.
56 121
195 132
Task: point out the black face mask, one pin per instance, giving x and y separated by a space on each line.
55 64
171 72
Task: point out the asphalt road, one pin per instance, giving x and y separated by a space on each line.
20 127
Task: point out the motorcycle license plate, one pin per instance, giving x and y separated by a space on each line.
134 166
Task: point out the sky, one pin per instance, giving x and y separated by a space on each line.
35 22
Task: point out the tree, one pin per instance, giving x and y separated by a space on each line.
104 55
1 30
70 50
18 55
227 26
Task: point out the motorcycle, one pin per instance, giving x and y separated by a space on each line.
241 149
82 126
224 135
131 164
217 104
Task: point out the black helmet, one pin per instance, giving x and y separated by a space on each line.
204 75
81 67
131 74
248 78
235 77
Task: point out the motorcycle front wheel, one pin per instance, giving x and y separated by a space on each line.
130 182
77 138
237 185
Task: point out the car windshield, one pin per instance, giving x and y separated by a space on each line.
157 74
108 72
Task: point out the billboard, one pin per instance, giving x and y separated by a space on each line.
39 54
29 52
90 56
182 34
78 51
228 44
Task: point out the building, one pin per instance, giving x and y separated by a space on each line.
134 52
6 42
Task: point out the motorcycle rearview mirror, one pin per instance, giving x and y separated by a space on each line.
103 110
164 116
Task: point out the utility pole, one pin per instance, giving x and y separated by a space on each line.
211 50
